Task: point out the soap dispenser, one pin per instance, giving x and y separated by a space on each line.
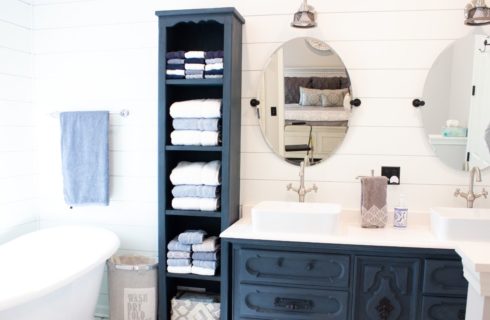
401 213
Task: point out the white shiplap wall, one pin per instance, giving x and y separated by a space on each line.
103 55
18 171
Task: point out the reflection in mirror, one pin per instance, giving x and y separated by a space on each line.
304 95
456 115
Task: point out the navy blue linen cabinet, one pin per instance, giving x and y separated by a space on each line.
199 30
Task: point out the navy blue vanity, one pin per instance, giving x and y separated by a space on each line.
291 280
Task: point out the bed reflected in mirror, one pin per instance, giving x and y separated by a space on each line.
304 95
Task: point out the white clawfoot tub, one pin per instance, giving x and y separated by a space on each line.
54 273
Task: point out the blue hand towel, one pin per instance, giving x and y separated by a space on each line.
85 157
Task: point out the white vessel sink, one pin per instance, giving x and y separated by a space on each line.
470 224
295 217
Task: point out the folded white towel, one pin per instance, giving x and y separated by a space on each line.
194 76
197 173
198 108
203 204
213 76
194 54
194 66
208 245
203 271
194 137
176 72
185 269
214 66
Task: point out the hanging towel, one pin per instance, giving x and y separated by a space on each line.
202 204
85 157
201 124
373 202
198 108
209 244
196 173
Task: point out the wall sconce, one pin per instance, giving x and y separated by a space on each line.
304 17
477 13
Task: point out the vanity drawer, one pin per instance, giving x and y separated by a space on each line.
308 269
444 277
435 308
292 303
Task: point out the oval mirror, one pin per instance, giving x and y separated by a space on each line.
456 114
304 95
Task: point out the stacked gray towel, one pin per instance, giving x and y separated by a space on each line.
180 248
214 65
205 257
192 252
194 64
196 122
175 65
196 185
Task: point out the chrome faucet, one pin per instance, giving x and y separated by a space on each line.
470 196
302 190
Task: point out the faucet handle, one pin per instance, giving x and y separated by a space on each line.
289 186
314 188
484 193
457 192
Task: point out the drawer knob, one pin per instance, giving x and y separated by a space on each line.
293 304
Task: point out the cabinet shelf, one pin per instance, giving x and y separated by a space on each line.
193 213
195 82
192 276
193 148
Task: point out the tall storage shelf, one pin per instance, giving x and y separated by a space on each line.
199 30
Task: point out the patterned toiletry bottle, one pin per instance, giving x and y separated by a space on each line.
401 213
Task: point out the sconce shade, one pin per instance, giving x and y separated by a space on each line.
477 14
304 17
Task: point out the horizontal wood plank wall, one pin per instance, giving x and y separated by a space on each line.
18 171
103 55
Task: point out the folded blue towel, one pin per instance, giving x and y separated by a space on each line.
213 54
178 262
175 67
175 245
195 60
205 264
206 256
195 191
203 124
85 157
192 237
175 61
175 55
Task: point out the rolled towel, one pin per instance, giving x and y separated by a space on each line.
175 67
213 76
214 54
178 262
175 245
206 256
210 244
202 204
175 72
195 191
214 66
192 236
194 66
194 54
373 202
205 264
176 61
198 108
178 255
203 271
175 55
195 137
201 124
214 60
195 60
185 269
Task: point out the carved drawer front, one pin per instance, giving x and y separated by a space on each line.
444 277
307 269
292 303
435 308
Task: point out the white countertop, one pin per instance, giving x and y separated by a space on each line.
350 232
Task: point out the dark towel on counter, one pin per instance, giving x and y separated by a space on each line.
175 55
373 202
85 157
213 54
